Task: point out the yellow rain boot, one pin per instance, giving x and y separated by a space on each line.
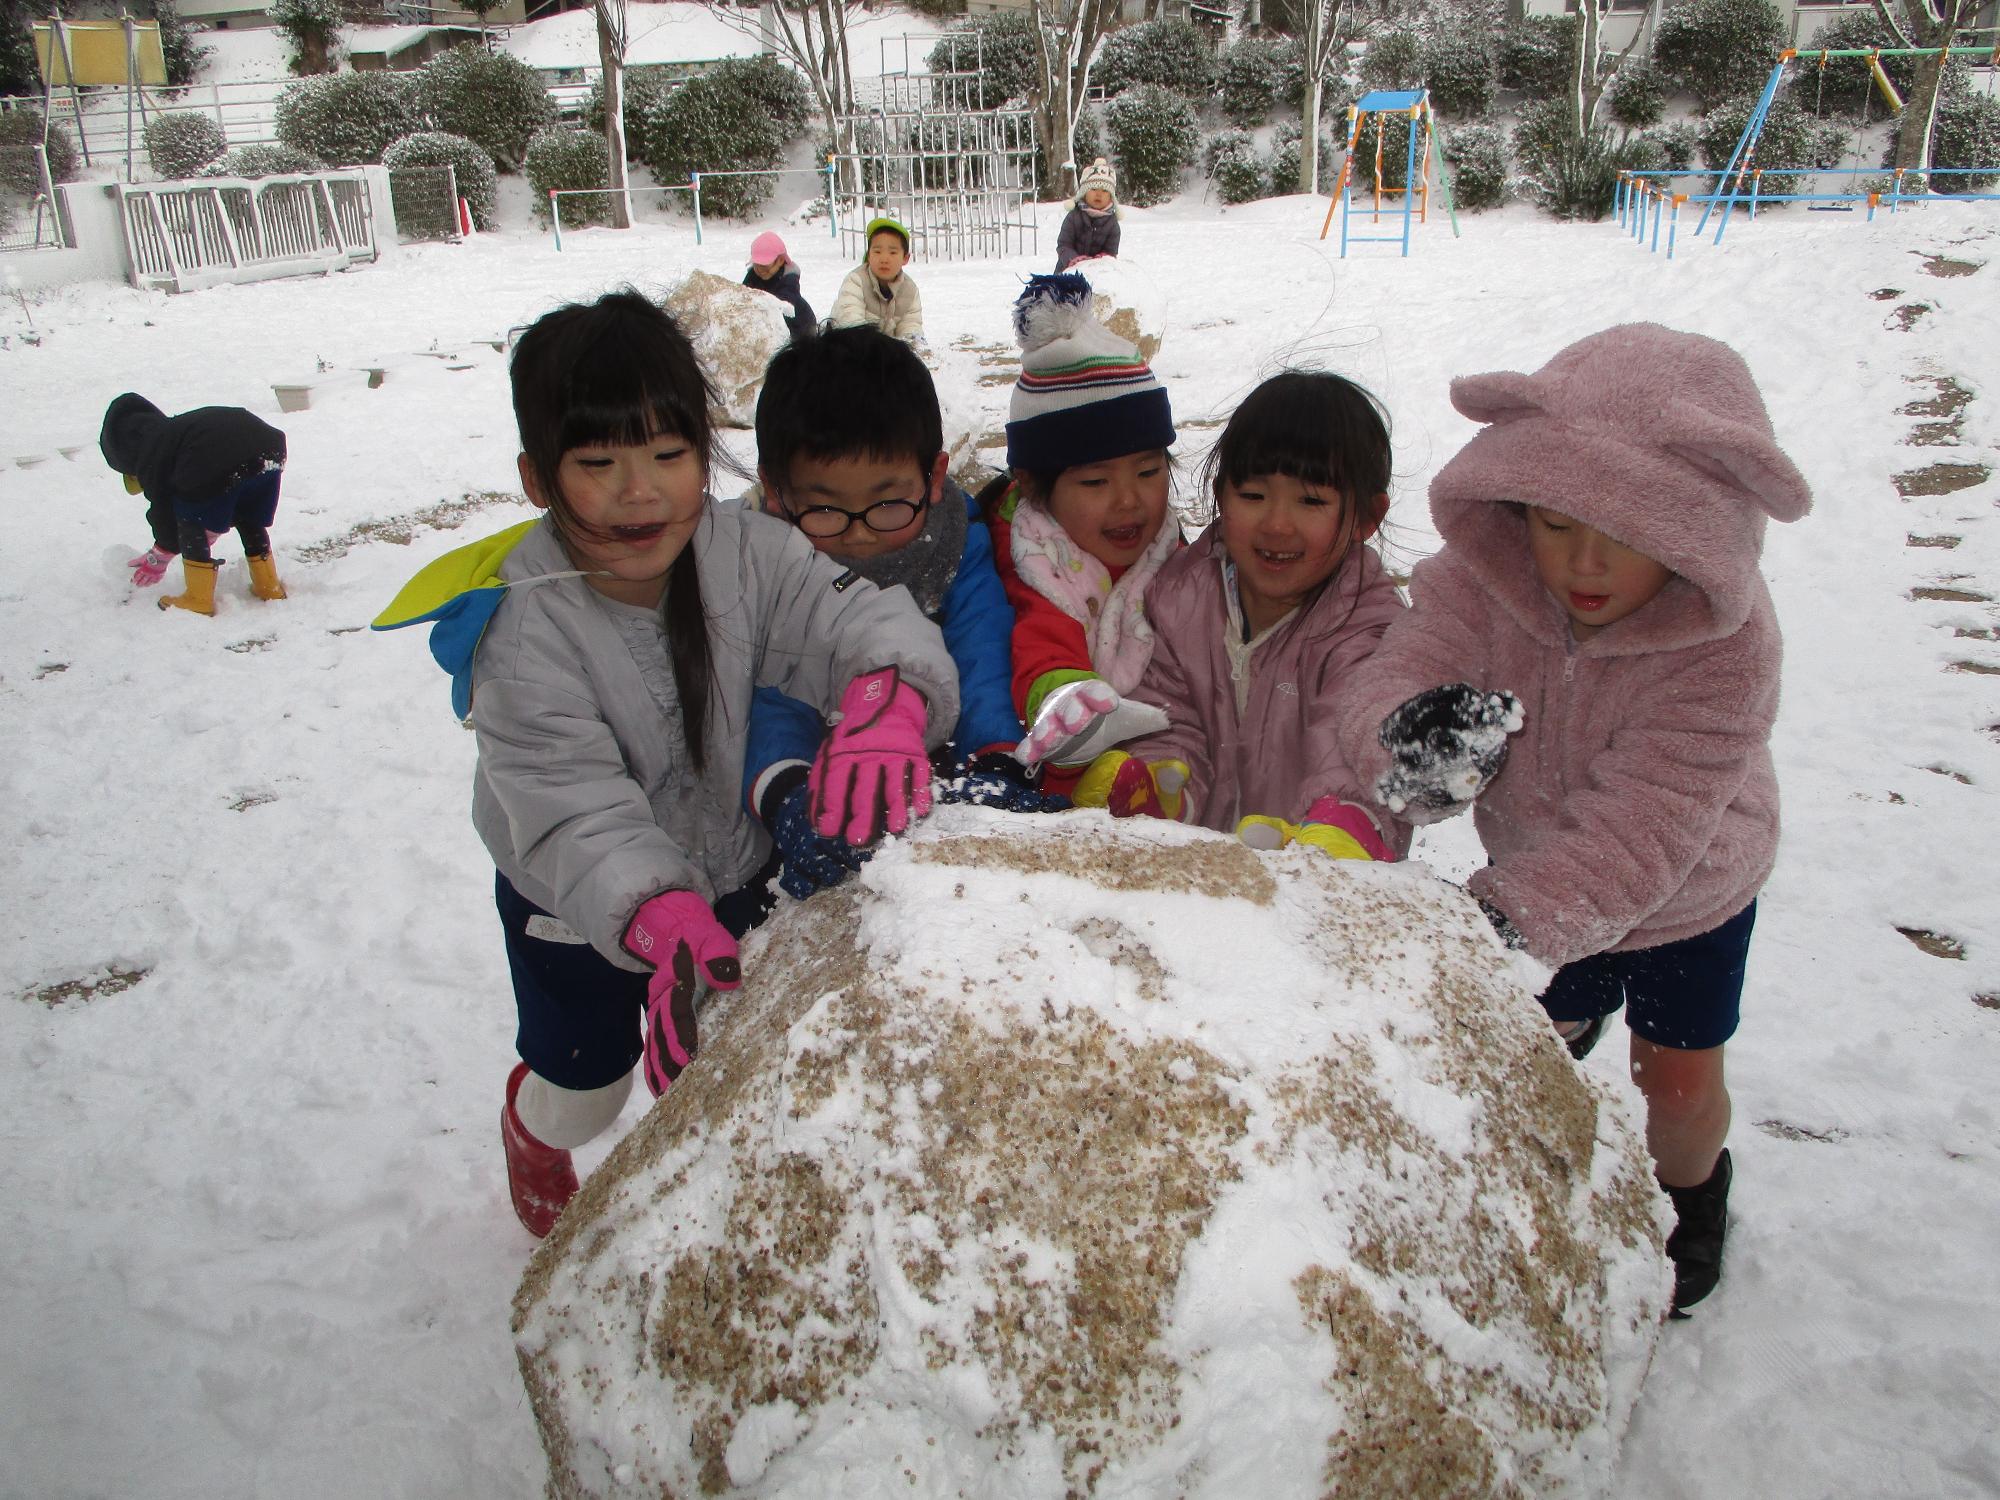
264 577
200 595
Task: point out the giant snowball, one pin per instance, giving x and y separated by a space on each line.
1055 1156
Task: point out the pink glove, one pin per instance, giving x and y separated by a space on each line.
872 771
149 567
677 934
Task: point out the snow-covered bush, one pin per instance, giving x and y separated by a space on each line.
642 89
1155 135
314 29
1637 95
1677 144
346 118
23 127
563 158
182 143
779 91
1718 50
1571 175
1538 54
274 160
709 124
1458 69
478 183
1790 138
1287 151
1394 60
1006 55
1477 156
1288 81
1247 79
183 54
490 97
1845 86
1236 167
1171 54
1965 134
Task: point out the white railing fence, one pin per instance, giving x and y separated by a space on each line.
184 235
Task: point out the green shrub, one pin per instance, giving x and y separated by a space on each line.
181 144
478 184
709 124
23 127
492 98
1966 133
1247 78
1790 138
346 119
642 89
252 162
18 71
1570 174
1458 70
1675 144
1394 60
1538 54
314 29
564 158
776 88
182 52
1154 135
1240 175
1718 50
1477 156
1286 152
1172 55
1846 87
1006 47
1637 96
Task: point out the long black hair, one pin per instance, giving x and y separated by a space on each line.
1318 428
617 372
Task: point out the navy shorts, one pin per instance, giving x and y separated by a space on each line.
252 502
580 1013
1687 994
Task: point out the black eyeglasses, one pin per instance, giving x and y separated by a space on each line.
828 521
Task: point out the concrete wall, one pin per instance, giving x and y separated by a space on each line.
99 255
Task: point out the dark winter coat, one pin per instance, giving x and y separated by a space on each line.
185 460
785 287
1085 234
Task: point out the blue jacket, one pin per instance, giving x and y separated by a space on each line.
978 626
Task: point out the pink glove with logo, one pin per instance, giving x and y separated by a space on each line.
678 935
872 772
149 567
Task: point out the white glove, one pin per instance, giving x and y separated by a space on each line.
1081 720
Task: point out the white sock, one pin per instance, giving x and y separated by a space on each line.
566 1118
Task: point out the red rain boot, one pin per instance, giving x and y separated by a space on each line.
541 1178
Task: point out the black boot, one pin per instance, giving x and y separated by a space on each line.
1695 1246
1584 1036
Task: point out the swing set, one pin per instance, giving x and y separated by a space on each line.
1646 199
1423 153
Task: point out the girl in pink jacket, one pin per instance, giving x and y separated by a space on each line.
1259 625
1596 624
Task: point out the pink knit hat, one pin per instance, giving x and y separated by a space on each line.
1655 437
767 249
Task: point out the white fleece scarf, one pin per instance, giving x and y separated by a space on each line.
1113 615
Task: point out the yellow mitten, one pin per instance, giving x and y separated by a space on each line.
1128 787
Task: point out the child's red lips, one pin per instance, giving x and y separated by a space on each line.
1121 536
1588 603
644 533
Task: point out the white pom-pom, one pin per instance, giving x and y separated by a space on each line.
1051 308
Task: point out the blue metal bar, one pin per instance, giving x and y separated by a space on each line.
1745 145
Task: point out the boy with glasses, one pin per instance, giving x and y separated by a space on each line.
850 449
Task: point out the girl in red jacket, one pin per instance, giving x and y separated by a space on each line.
1598 599
1259 626
1080 526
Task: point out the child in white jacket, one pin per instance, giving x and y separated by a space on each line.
879 292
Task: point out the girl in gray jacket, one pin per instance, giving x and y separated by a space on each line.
605 655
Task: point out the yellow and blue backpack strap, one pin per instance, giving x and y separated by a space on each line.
456 595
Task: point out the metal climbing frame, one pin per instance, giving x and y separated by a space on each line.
959 177
1422 153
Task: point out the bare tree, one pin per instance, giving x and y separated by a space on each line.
1323 38
1067 34
811 35
1592 77
613 36
1922 23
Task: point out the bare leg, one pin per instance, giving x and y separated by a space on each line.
1687 1109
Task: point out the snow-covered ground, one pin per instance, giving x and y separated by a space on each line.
263 1244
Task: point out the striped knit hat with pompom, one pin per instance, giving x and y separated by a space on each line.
1084 394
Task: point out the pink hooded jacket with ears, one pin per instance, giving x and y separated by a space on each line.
1639 804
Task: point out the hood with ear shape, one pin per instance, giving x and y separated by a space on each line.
1655 437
